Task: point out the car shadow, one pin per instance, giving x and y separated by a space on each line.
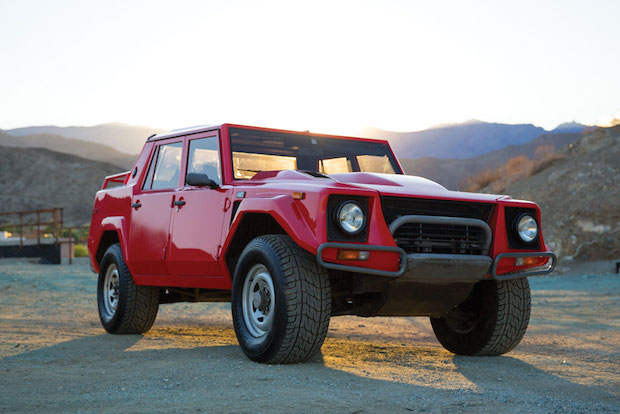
161 373
139 373
514 378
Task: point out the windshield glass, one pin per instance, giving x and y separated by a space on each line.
254 151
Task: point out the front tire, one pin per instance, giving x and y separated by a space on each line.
281 301
124 307
491 321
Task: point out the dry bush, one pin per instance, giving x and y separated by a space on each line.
516 168
482 179
518 165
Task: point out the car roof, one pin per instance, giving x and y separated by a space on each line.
205 128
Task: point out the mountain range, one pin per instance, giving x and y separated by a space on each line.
121 137
465 140
577 191
34 178
579 196
84 149
453 172
66 163
117 143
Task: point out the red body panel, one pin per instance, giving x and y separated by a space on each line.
186 245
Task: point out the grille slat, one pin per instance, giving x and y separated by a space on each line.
441 239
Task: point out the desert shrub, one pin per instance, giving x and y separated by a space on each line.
482 179
515 168
518 165
80 250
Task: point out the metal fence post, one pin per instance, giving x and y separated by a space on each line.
38 228
21 230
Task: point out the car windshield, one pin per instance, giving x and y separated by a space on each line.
254 151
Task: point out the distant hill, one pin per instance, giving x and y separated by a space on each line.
579 196
451 173
570 127
121 137
32 178
465 140
84 149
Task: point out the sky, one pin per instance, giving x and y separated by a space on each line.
327 66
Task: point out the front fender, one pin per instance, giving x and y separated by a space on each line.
289 213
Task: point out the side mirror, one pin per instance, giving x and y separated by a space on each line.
200 180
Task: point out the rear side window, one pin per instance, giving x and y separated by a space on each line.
204 158
165 167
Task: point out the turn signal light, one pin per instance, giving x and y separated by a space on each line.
353 254
531 261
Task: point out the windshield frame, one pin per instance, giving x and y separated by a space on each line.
230 129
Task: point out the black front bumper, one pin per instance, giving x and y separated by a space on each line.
438 268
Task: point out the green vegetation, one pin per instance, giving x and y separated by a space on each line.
80 250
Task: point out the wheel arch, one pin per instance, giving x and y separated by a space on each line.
112 230
278 214
107 239
246 227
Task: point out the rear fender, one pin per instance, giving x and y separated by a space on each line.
117 224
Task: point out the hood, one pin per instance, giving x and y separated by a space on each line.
410 186
386 184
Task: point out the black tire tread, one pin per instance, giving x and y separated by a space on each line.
506 318
513 316
141 305
308 299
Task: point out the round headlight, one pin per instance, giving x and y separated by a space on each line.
527 228
350 217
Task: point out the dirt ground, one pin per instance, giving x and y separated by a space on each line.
55 357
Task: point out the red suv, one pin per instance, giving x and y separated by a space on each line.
295 227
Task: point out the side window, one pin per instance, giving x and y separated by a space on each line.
165 172
204 158
149 174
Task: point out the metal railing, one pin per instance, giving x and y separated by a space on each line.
54 225
40 224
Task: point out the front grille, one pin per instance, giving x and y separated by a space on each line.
441 238
394 207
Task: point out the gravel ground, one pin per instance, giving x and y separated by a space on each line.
55 357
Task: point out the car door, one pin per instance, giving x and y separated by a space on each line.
198 215
152 209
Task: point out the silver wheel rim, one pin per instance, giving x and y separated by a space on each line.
258 300
110 291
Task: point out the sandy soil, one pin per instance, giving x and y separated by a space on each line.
55 357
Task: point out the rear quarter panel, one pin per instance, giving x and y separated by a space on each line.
112 208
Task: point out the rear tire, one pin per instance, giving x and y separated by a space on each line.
281 301
491 321
124 307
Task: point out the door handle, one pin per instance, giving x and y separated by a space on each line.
136 205
179 203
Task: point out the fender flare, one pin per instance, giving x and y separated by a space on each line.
285 211
117 224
